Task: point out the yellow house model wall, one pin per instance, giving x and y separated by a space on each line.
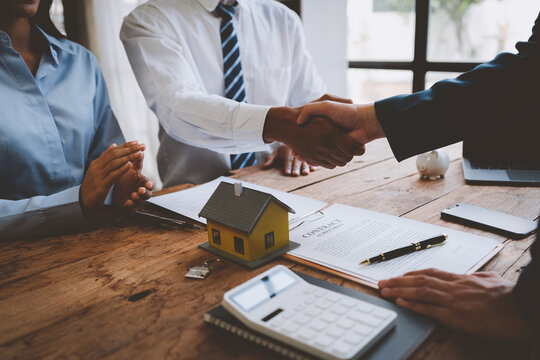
227 239
275 219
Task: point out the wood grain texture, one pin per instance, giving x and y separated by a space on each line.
119 291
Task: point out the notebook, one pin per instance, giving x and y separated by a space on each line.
410 332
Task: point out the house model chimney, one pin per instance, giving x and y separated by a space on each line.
238 189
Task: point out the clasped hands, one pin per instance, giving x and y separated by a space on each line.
118 166
328 132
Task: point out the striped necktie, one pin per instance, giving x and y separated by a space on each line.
232 70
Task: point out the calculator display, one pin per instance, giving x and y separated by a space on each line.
263 290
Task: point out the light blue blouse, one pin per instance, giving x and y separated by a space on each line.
51 127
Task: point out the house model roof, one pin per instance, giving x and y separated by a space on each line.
239 212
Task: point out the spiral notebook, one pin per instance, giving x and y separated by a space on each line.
410 332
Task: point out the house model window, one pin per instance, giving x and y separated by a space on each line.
238 245
216 237
269 240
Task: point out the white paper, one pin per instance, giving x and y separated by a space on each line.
191 201
345 236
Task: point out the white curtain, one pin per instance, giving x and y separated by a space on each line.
136 119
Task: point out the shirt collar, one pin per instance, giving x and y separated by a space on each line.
4 39
54 42
211 5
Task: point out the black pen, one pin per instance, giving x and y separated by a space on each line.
158 218
416 246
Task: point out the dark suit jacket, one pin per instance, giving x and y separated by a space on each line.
501 96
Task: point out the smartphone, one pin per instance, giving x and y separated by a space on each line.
490 220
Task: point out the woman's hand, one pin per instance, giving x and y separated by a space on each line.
291 165
132 188
105 171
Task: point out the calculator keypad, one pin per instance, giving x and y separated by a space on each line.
333 323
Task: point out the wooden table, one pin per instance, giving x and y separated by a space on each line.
119 291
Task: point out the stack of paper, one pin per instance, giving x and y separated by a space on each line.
191 201
345 236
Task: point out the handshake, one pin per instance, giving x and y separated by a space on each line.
328 132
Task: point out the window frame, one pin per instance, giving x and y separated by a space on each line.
237 242
420 66
214 237
267 236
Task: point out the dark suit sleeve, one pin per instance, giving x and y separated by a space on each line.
501 94
527 289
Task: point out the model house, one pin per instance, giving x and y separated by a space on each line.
246 223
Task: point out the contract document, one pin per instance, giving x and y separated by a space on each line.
191 201
345 236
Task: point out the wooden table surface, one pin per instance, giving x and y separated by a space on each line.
119 291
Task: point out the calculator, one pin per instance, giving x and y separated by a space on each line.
280 304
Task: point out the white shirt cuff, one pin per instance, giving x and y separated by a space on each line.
248 126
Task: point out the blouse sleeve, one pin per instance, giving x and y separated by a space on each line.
41 215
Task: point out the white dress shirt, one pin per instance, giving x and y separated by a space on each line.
174 47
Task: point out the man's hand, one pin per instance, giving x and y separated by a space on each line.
335 98
480 304
319 142
291 165
132 188
360 120
105 171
